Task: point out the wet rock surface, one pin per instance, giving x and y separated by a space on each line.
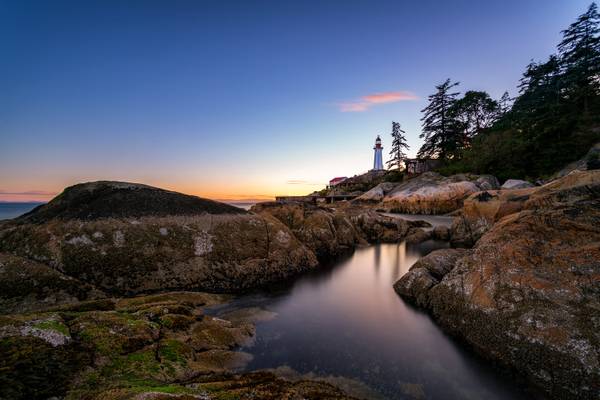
527 295
156 346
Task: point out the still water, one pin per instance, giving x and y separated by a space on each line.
347 321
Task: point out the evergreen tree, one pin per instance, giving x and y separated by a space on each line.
442 136
504 104
475 112
579 53
399 144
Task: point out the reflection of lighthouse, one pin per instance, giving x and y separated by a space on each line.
378 161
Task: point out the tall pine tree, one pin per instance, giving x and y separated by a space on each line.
580 58
440 130
399 144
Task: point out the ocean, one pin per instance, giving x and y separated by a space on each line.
12 210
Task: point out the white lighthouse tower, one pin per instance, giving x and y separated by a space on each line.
378 161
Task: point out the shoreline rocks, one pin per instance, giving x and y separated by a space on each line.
159 346
527 295
428 193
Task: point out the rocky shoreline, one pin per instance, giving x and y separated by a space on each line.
69 269
103 290
527 295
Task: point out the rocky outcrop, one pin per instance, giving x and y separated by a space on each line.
425 274
432 193
152 347
325 232
482 210
377 193
528 294
139 244
330 232
516 184
108 199
27 285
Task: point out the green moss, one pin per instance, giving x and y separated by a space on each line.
53 325
173 350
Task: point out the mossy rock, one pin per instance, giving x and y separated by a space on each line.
31 368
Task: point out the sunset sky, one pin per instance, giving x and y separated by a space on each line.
240 100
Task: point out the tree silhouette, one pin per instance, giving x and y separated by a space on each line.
398 146
442 138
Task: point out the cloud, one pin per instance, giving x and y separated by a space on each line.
370 100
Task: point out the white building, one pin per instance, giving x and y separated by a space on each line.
378 161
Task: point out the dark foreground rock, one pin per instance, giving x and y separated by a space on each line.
528 294
152 347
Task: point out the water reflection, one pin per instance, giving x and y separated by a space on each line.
348 321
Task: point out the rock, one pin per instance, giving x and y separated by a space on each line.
527 294
431 193
376 228
141 247
482 210
331 232
516 184
325 232
414 286
107 199
418 235
27 285
376 194
134 352
441 232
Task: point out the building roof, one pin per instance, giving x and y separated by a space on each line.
338 178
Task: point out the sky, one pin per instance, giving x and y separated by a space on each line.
240 100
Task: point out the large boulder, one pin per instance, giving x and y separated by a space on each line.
128 238
516 184
427 272
376 194
528 294
432 193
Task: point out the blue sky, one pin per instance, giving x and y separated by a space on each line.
230 99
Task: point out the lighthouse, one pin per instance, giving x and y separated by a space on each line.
378 160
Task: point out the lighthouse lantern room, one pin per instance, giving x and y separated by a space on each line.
378 161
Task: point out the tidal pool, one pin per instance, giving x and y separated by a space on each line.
347 321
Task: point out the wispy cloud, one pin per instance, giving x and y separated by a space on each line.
366 102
